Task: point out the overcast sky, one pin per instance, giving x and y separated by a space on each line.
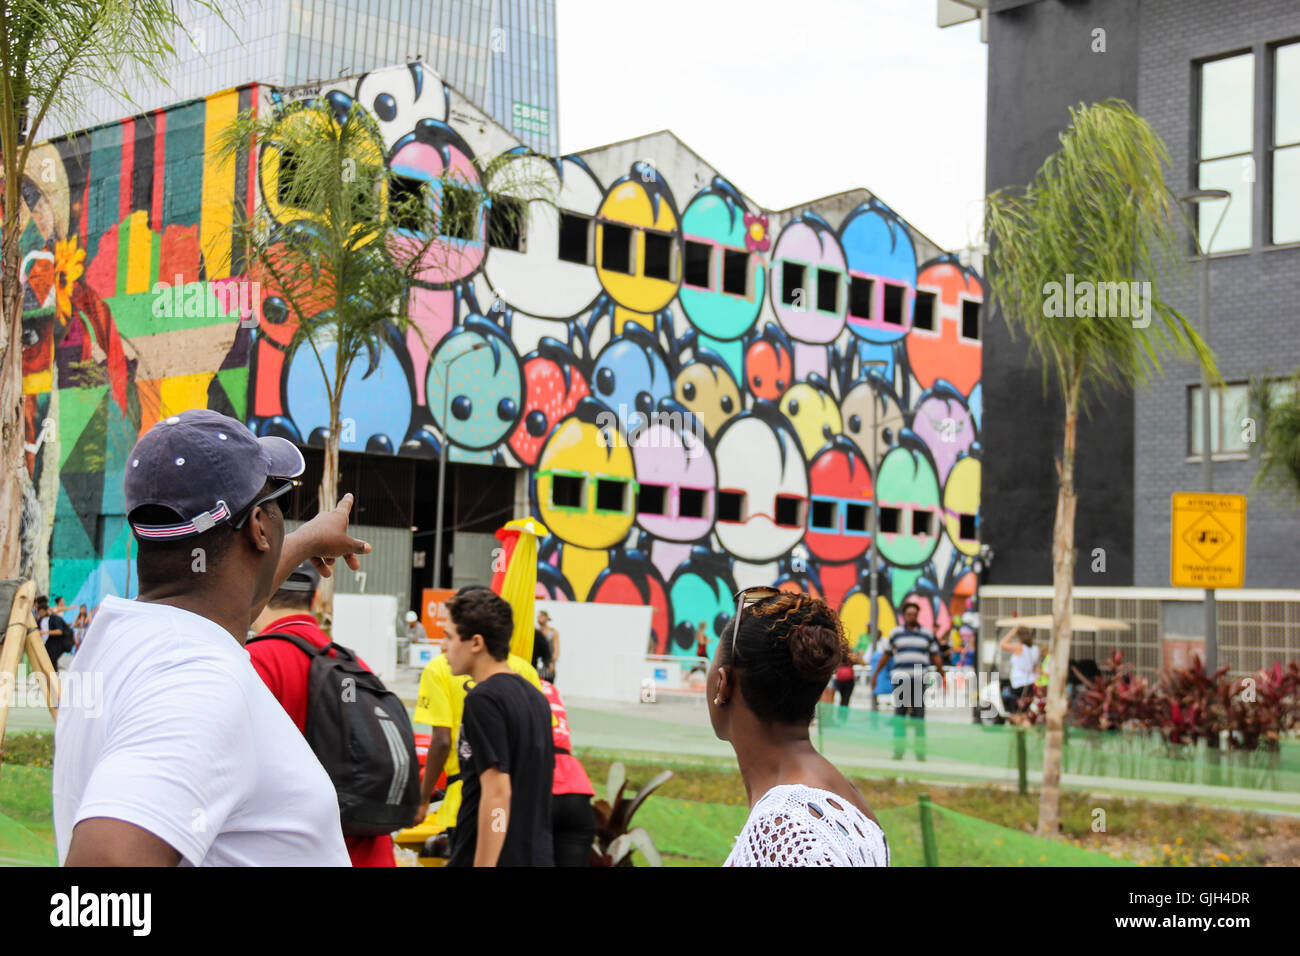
790 99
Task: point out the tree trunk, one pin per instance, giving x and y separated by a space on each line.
1049 804
15 483
329 497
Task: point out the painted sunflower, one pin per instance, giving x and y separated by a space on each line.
69 265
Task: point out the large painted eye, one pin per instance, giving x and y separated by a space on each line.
462 407
726 404
605 381
720 623
780 385
888 436
826 432
758 381
274 310
855 423
683 636
535 424
645 403
385 107
506 409
688 391
793 407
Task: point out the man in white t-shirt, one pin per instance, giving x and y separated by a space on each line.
185 757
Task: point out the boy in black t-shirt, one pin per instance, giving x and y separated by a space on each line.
506 750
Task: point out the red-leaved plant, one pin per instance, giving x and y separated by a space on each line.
1116 699
1264 707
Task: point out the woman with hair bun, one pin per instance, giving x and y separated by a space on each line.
767 674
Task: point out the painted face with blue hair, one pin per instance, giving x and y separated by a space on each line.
882 273
631 377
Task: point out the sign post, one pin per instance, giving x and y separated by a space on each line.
1207 548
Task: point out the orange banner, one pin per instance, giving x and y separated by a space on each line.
433 611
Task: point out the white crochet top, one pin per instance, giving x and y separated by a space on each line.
795 825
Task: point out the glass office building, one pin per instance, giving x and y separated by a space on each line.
499 53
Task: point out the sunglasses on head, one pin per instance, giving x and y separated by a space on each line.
243 516
744 598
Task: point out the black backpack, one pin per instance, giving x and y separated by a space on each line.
362 736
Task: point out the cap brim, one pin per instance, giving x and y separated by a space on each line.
285 458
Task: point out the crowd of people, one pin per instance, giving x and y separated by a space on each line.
225 704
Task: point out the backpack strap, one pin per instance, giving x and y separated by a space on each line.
304 645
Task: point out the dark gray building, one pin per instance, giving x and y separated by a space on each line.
1220 83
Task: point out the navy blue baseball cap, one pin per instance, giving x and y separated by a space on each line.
204 466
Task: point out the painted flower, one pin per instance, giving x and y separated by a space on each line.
756 239
69 264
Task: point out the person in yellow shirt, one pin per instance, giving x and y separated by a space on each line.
440 704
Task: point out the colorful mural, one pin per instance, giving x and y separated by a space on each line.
704 394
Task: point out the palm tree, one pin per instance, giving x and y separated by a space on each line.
344 265
1276 409
50 51
1098 211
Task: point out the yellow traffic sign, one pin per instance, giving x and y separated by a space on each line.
1207 540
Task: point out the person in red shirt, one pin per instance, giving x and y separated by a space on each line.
573 824
284 668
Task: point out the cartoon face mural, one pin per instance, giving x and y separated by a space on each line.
870 414
769 365
708 391
484 385
724 282
839 511
553 386
638 241
943 423
675 478
762 487
812 411
961 503
808 281
544 268
700 591
945 342
631 377
908 492
585 484
616 314
376 404
882 273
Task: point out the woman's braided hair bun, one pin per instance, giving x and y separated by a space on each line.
815 636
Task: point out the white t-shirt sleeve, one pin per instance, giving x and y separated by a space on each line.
174 761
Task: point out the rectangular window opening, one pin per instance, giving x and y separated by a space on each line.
895 297
691 503
611 495
922 522
566 491
406 199
458 218
889 520
698 256
792 284
731 506
923 311
860 297
616 248
652 500
658 256
823 515
970 319
575 232
735 272
966 528
788 511
506 224
828 291
856 518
